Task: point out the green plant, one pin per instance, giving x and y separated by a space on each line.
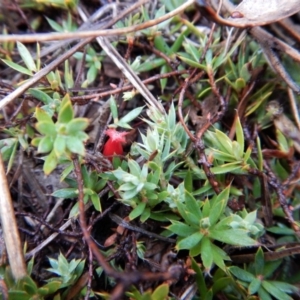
68 272
254 279
26 288
160 293
207 221
66 26
92 186
31 65
93 62
62 138
144 188
228 155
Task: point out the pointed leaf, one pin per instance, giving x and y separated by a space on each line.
50 163
259 262
272 289
254 286
241 274
42 115
42 96
181 229
46 128
17 67
237 237
240 136
66 112
137 211
190 241
161 292
131 115
96 202
206 253
26 56
192 206
219 256
75 145
78 124
59 145
218 206
45 144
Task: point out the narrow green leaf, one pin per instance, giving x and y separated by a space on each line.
161 44
237 237
150 65
54 25
254 286
206 253
42 116
137 211
59 145
50 163
134 168
45 145
272 289
113 108
259 154
241 274
163 81
26 56
190 241
66 113
286 287
195 250
188 181
40 95
193 63
219 256
202 288
225 142
181 229
206 210
218 206
251 217
46 128
221 284
92 73
191 49
78 124
66 193
263 294
222 156
235 168
50 287
179 40
75 145
247 154
131 115
192 206
145 215
17 67
96 202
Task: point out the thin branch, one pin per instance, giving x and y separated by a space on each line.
40 74
42 37
81 100
10 228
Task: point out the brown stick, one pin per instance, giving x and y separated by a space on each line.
10 229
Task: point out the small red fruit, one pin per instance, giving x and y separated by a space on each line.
114 145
